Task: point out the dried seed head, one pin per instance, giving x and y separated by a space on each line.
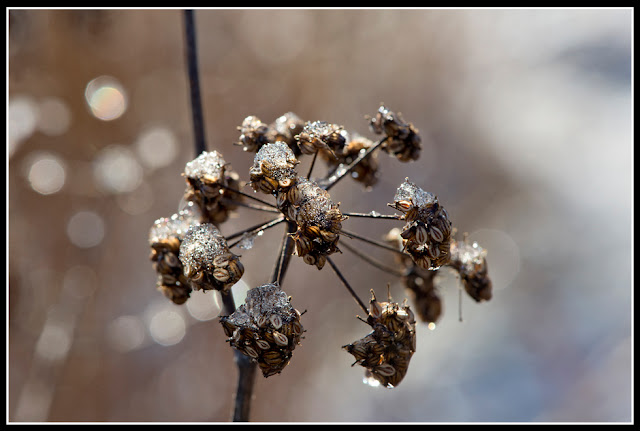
209 178
469 260
319 135
403 139
268 321
274 163
387 350
253 134
427 232
204 246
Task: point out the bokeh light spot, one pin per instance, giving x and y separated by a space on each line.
85 229
46 173
106 98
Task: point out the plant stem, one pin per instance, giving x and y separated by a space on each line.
371 241
373 262
254 229
194 82
373 215
347 285
333 179
286 251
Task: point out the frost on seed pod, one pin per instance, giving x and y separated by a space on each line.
427 232
207 261
285 128
319 220
273 168
266 328
403 140
253 134
209 181
165 237
419 282
469 260
387 350
319 135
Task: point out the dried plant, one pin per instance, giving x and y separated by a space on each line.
189 253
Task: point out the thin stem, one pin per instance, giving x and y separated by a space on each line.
371 241
284 257
251 206
194 82
333 180
254 229
373 262
246 195
346 284
313 162
374 215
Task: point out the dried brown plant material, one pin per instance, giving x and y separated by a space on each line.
365 172
165 237
427 232
266 328
419 282
207 261
285 128
273 168
387 350
317 217
209 179
319 135
253 134
469 260
403 139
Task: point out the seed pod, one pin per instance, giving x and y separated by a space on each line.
387 350
402 139
274 341
469 260
253 134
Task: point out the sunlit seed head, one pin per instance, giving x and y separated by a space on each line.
106 98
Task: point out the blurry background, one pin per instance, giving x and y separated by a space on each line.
526 123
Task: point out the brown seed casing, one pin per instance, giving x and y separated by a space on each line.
387 350
268 324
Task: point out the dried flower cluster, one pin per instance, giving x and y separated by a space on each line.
387 350
266 328
189 252
427 232
403 140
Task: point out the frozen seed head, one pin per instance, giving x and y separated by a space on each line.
402 139
387 350
285 128
273 168
469 260
426 235
319 135
253 134
206 259
266 328
208 177
165 238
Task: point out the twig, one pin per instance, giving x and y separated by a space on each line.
373 262
286 251
246 195
373 215
333 179
252 206
371 241
346 284
254 229
194 81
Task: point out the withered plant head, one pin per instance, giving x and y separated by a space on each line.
273 168
165 238
427 232
209 180
469 260
403 139
266 328
387 350
320 135
207 262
